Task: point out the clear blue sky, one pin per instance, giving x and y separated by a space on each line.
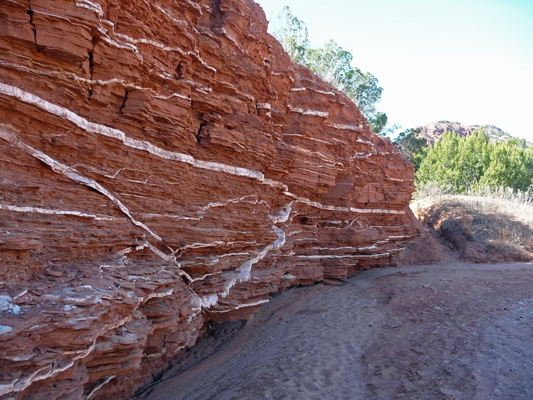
461 60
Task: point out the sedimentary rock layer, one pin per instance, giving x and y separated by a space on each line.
164 165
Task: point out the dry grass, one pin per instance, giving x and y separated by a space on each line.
501 221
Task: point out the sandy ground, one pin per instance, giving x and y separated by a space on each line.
458 331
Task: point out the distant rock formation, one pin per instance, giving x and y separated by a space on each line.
164 165
433 132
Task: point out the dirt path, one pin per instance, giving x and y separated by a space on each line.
441 332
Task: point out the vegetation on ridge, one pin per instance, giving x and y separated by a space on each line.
333 64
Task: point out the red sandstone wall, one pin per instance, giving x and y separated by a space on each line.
163 165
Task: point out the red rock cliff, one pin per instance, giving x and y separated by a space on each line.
164 165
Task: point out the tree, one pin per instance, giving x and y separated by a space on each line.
333 64
440 164
413 148
472 158
292 33
473 162
510 165
378 122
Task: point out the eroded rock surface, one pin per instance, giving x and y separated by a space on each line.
164 165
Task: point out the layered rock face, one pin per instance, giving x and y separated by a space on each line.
164 165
